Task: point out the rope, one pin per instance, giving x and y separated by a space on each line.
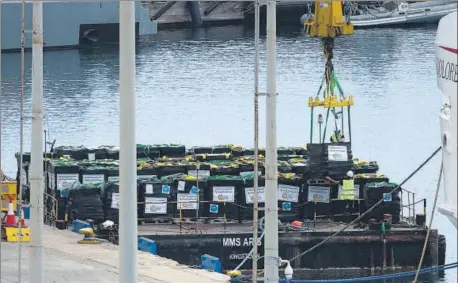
369 210
429 226
363 279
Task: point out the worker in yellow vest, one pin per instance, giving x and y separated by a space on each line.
348 187
336 137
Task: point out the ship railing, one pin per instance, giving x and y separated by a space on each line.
412 203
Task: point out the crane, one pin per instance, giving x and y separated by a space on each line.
329 22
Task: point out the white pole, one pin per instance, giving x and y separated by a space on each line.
21 142
271 202
256 142
1 168
36 162
128 155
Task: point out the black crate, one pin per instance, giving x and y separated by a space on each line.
155 201
61 177
374 192
110 200
245 199
187 199
147 173
289 198
112 175
85 203
322 207
222 197
170 150
201 150
170 170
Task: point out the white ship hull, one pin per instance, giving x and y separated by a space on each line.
447 78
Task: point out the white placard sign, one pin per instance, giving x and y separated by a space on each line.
187 202
224 194
337 153
155 205
115 200
318 194
66 181
249 192
113 178
93 179
149 189
181 186
202 173
288 193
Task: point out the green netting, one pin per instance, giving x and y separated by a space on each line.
168 178
297 160
381 185
166 145
62 163
248 176
225 177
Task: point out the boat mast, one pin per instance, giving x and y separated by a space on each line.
36 163
271 259
127 157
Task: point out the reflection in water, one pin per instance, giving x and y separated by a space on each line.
197 88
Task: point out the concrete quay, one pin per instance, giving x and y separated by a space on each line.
66 261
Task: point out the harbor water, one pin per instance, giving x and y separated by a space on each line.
196 88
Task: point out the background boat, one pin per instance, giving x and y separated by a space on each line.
403 13
69 25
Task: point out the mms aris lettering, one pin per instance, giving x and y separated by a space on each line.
447 70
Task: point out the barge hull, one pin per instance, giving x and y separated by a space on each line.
354 248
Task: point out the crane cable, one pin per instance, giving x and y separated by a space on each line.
430 223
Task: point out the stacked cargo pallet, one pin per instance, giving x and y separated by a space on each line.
211 183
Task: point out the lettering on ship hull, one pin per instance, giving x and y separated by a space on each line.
447 70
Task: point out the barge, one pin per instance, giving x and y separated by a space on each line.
199 201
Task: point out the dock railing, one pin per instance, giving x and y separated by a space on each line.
51 209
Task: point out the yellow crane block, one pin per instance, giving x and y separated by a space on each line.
329 20
331 102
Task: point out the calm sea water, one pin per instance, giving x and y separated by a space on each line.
196 88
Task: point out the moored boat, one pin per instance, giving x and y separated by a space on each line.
70 25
